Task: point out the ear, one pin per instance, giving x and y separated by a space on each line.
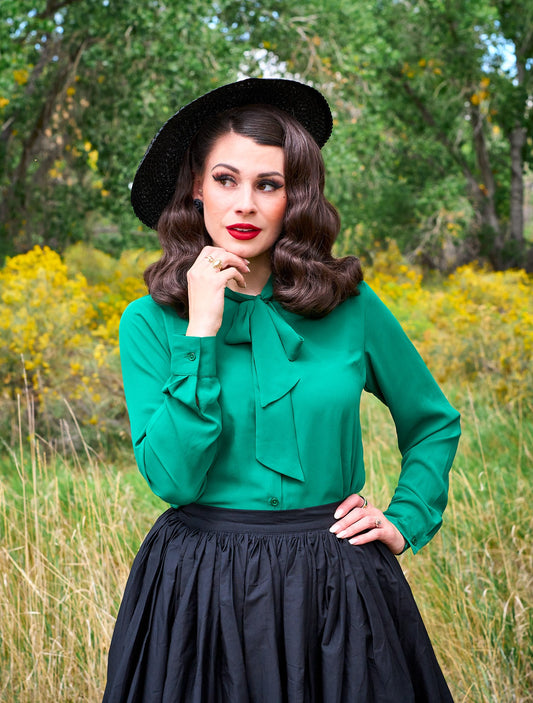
197 188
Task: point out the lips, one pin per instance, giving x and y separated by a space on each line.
243 230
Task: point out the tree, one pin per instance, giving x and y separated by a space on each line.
84 84
434 104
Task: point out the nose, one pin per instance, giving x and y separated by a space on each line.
245 201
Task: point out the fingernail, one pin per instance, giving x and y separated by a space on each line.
333 528
342 534
247 261
353 540
338 514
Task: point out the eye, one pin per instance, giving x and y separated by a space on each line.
224 179
269 186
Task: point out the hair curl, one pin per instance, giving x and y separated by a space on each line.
307 278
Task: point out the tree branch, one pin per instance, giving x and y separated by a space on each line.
53 7
431 122
60 85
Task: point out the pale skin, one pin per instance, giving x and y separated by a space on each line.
242 188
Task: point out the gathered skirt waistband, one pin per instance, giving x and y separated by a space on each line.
211 518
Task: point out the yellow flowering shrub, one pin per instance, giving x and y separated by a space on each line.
475 324
482 328
59 339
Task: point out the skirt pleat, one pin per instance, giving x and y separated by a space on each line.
235 606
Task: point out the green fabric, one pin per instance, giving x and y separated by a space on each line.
266 414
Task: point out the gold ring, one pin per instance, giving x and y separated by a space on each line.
215 263
365 501
378 522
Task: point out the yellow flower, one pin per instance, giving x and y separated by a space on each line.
92 159
71 91
21 76
3 102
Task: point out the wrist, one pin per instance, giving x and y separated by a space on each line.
404 548
201 330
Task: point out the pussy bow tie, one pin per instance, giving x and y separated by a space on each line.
275 346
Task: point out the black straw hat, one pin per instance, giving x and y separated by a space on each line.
155 180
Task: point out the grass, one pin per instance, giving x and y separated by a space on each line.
474 581
70 524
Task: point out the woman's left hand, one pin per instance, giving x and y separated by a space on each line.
358 516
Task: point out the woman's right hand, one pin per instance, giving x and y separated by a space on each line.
207 279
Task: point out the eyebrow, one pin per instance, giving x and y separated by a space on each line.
236 170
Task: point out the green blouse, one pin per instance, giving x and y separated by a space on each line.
266 414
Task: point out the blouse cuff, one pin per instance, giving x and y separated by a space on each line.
193 356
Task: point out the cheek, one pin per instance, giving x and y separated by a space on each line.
278 211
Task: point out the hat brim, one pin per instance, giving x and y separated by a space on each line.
155 180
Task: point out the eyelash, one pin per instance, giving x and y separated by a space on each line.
274 185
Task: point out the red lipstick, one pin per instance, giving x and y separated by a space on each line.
243 230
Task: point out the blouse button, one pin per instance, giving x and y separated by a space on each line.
274 502
191 356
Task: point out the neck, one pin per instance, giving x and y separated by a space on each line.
260 271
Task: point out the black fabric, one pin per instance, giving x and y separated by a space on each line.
237 606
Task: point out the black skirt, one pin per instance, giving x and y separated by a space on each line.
241 606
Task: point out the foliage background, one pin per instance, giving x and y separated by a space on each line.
432 103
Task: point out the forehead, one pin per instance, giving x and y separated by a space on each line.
244 154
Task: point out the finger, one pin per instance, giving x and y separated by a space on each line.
352 501
232 273
223 263
366 537
226 258
347 521
366 522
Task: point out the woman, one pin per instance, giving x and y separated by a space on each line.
271 578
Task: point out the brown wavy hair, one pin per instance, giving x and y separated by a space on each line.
307 278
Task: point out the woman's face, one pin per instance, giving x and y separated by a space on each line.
243 191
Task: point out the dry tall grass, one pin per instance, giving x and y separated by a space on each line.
474 581
69 530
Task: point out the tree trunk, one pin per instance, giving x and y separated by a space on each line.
486 189
13 196
517 140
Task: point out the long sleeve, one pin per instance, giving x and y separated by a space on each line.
427 426
172 394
